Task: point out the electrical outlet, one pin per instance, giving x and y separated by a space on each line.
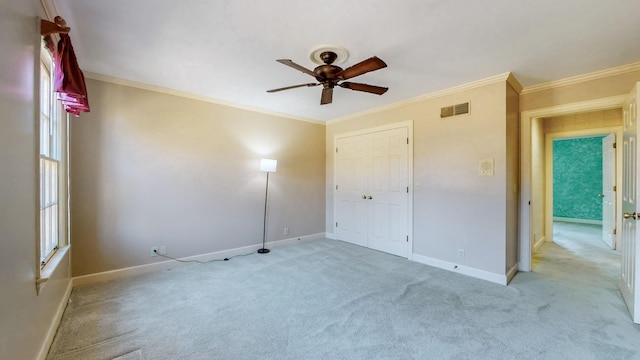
286 231
460 253
154 251
162 250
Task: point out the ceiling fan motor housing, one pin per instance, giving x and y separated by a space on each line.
327 73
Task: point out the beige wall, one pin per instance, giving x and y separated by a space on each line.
455 207
25 317
151 169
513 174
582 121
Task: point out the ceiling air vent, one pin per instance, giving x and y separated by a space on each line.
454 110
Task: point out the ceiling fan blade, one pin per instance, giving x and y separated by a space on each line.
364 87
296 66
371 64
327 96
292 87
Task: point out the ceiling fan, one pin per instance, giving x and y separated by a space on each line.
330 76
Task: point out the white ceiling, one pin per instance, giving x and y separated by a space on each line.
226 49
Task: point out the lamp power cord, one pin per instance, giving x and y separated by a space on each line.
198 261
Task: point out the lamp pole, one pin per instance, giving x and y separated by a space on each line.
264 223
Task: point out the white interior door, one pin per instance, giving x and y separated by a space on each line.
608 195
388 191
372 190
629 284
351 179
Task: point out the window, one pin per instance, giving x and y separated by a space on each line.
53 173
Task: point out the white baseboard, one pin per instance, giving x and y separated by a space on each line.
171 264
539 243
465 270
296 239
53 328
512 272
331 236
578 221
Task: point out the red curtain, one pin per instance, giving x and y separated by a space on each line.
69 80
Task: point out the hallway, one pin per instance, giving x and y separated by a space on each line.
578 254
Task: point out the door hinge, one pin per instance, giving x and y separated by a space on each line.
336 187
336 224
407 238
407 189
615 146
336 150
407 141
615 188
615 231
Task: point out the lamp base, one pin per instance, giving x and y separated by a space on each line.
263 251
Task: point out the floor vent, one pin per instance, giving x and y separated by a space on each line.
454 110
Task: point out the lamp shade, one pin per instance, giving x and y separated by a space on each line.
268 165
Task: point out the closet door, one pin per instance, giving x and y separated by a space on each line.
351 203
372 190
389 192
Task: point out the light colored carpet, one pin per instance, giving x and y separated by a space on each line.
327 299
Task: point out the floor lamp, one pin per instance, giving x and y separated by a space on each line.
266 165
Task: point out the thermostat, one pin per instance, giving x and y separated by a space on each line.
486 167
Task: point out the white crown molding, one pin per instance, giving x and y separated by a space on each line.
456 89
184 94
582 78
515 84
508 77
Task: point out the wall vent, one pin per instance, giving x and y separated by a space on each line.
454 110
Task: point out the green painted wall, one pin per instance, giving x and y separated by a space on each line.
577 178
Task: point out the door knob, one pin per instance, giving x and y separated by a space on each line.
364 196
369 197
630 215
601 195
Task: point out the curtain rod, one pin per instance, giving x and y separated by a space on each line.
59 26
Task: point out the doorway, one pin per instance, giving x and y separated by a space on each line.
628 214
569 185
534 218
582 171
572 164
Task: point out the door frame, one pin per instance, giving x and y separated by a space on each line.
548 138
526 120
409 125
